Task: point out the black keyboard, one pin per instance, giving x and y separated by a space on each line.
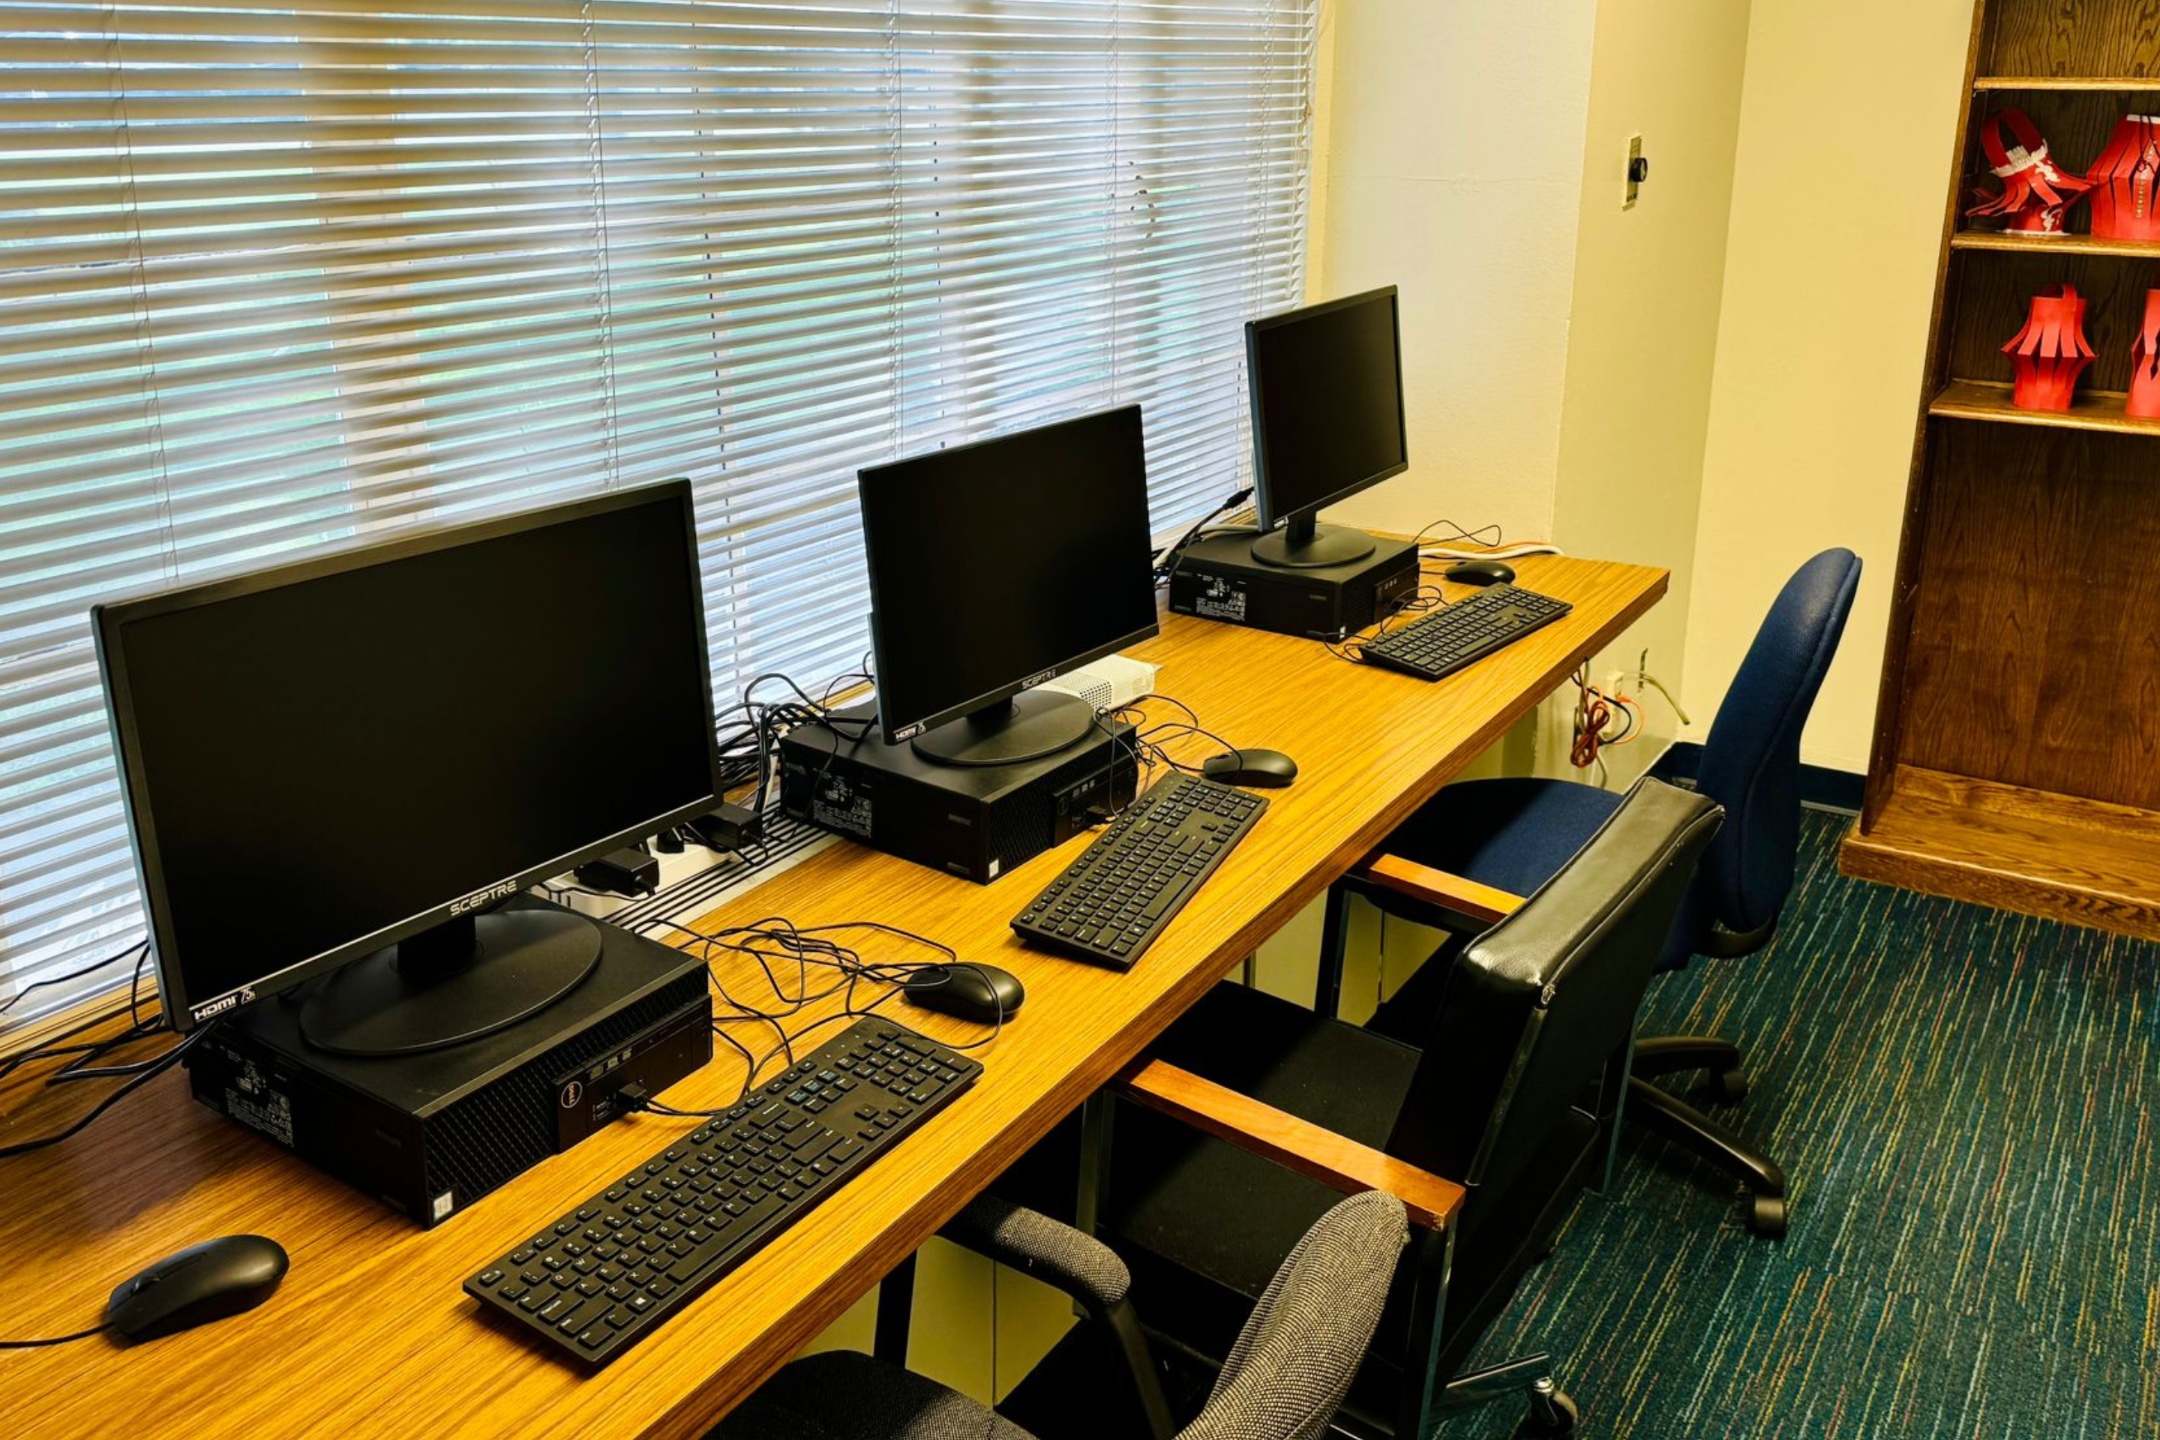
1445 641
1116 898
599 1279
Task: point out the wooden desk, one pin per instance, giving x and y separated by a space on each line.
370 1336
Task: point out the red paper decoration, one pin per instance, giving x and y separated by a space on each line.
2036 191
2123 181
2050 352
2145 363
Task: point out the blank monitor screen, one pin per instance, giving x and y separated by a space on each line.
318 755
1002 563
1327 403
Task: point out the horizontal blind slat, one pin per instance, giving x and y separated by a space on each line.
276 280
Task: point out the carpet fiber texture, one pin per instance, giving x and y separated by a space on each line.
1963 1102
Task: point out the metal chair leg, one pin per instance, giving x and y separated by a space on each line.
1550 1412
1420 1390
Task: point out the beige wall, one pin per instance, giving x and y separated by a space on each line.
1453 168
1845 130
1644 330
1721 381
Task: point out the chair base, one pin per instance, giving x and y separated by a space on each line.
1695 1132
1682 1054
1551 1413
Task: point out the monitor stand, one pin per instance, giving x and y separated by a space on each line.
1029 726
466 978
1304 544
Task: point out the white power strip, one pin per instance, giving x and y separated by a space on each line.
1108 683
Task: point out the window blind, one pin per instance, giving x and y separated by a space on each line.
274 279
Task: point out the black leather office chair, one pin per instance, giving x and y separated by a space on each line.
1513 1093
1283 1380
1504 837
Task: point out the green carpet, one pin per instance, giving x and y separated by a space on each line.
1963 1101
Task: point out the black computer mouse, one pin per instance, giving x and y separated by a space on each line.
1480 572
1255 769
982 993
204 1282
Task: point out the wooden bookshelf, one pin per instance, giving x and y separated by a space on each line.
2021 244
2014 761
2092 410
2066 82
2026 850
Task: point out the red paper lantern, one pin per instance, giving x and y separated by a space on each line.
2123 181
2145 363
2050 352
2036 191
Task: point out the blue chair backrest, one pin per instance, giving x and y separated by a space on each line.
1751 762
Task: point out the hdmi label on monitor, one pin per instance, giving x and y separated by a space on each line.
219 1006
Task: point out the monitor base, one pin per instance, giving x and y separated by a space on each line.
1031 726
1315 549
469 977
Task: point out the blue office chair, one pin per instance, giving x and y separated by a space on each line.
1512 835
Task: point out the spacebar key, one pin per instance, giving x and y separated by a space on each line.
725 1242
1168 900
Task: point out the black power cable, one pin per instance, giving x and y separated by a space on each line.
138 1077
140 947
787 955
1166 563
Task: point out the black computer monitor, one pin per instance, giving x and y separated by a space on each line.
333 769
1327 412
997 566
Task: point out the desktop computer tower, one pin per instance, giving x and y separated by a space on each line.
1219 579
432 1132
975 823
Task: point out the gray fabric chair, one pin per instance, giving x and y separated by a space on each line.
1283 1380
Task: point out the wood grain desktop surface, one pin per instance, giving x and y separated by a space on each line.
370 1334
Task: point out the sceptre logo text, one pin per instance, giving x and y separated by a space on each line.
483 897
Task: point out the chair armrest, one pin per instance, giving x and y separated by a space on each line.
1437 888
1057 1254
1295 1144
1081 1266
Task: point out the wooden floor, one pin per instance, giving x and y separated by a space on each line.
2031 851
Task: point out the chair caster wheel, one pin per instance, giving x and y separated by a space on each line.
1728 1087
1766 1216
1552 1417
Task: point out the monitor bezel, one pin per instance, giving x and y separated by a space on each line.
907 730
1266 514
184 1010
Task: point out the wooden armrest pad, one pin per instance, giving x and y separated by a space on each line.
1438 888
1293 1143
